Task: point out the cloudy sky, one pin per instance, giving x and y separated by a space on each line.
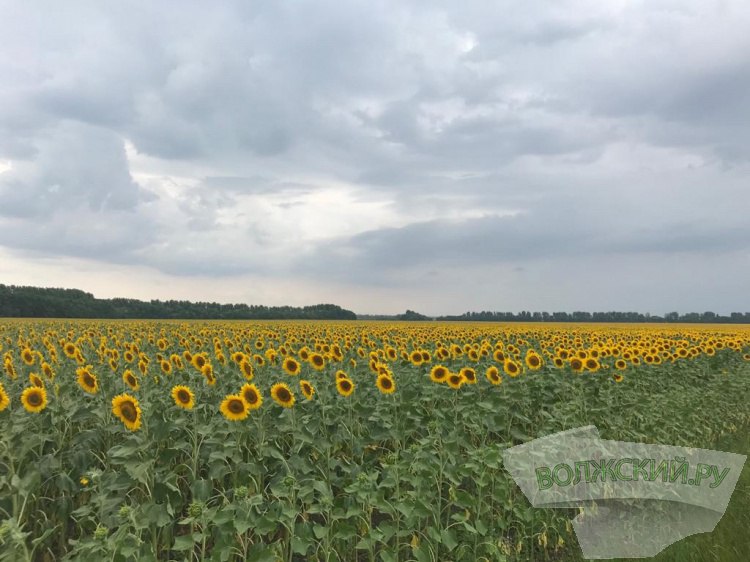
381 155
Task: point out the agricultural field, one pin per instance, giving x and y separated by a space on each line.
331 441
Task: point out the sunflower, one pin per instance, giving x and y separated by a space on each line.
558 362
618 377
385 384
208 373
87 380
533 361
499 356
307 389
234 407
317 361
415 357
252 396
34 399
70 350
620 365
511 368
455 380
28 356
282 395
291 366
576 364
166 366
183 396
345 386
199 361
469 375
126 407
592 364
4 398
493 375
247 369
130 379
36 380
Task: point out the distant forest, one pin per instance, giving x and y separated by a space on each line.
525 316
36 302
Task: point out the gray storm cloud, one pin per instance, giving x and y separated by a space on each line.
379 142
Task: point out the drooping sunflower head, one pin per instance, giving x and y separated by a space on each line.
48 371
493 375
183 397
234 407
282 395
127 408
247 370
618 377
308 390
87 380
345 386
385 384
28 356
34 399
252 396
36 380
4 398
129 378
291 366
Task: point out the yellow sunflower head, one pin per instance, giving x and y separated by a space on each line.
282 395
234 407
308 390
317 361
493 375
345 386
455 380
252 396
4 398
183 397
127 408
87 380
34 399
469 375
291 366
385 384
438 374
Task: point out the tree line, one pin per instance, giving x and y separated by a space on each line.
579 316
38 302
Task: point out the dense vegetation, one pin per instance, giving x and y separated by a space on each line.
36 302
336 441
579 316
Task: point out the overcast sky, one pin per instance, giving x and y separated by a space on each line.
381 155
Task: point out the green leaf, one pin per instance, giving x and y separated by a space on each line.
183 542
448 538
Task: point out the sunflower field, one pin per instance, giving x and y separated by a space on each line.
328 441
